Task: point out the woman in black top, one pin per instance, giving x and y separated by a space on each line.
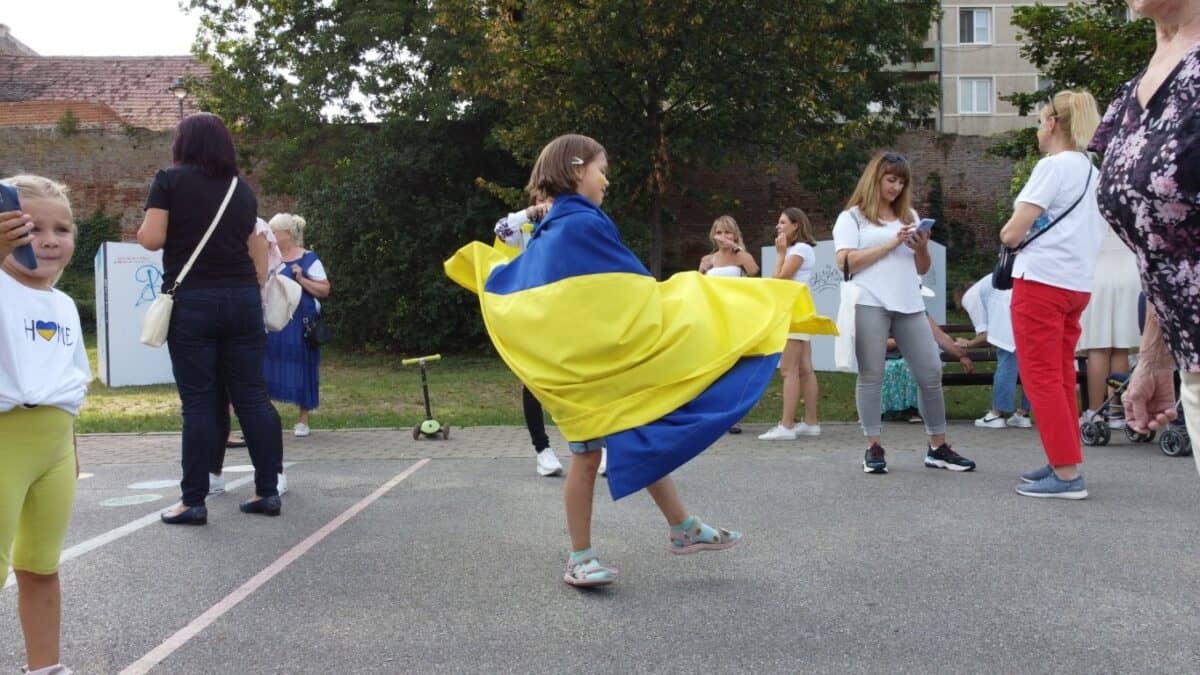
216 336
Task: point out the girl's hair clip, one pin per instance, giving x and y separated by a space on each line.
577 161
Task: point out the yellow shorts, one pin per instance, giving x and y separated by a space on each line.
37 487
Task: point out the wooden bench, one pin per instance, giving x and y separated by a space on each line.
988 355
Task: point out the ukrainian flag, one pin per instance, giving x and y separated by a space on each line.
661 370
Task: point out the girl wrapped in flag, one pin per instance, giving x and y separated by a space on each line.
658 371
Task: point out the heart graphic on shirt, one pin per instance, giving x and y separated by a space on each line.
47 329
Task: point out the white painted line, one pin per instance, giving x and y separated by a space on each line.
130 500
183 635
153 484
128 528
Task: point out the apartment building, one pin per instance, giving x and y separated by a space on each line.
976 59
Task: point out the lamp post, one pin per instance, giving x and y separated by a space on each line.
179 89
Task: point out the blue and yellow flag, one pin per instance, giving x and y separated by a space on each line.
661 370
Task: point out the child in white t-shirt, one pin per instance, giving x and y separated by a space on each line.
795 259
991 316
44 374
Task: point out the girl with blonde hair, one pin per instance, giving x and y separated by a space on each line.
729 257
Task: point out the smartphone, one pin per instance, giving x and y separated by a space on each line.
10 202
925 225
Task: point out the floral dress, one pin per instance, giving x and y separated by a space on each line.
1149 191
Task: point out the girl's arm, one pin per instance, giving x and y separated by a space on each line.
705 264
947 344
1018 226
258 245
152 235
787 267
746 261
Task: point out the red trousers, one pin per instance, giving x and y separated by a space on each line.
1045 321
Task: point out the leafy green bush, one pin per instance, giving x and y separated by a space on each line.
384 219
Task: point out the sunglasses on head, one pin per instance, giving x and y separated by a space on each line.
1050 102
893 158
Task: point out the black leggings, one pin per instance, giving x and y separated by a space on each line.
534 420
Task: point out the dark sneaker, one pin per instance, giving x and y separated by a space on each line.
1054 487
1037 474
873 461
945 458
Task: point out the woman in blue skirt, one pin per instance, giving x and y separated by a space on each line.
292 366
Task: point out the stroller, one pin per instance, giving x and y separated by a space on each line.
1173 442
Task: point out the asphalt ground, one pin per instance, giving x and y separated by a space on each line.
402 556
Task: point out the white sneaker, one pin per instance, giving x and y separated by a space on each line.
216 484
548 464
281 484
1116 423
1089 416
56 669
301 429
604 461
1019 421
779 433
802 429
990 421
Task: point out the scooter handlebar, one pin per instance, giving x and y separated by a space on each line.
421 359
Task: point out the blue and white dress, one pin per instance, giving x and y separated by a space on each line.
291 367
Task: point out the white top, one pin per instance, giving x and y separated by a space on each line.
1064 257
42 357
891 282
726 271
806 252
990 310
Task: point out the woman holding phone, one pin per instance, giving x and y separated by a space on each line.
878 240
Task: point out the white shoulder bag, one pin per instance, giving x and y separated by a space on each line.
844 357
281 297
157 320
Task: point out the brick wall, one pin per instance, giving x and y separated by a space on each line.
972 184
107 168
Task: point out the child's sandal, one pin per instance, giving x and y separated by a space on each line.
589 572
693 540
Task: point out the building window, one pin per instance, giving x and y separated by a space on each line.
974 26
975 96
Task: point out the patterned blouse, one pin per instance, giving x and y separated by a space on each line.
1149 191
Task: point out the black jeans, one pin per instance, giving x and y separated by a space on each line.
216 342
216 461
534 420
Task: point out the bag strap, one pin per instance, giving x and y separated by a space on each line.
1064 214
200 247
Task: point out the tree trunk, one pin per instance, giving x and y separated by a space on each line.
656 235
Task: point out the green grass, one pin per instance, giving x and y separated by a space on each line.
376 391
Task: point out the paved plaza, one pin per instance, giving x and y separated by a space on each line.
402 556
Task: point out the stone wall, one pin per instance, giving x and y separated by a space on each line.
107 168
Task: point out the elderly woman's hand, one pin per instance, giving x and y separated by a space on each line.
298 272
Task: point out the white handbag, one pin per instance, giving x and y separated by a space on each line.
844 357
157 320
281 297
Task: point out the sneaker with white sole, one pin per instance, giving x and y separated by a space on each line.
603 461
548 464
1052 486
216 484
56 669
990 421
1090 416
301 430
803 429
779 433
944 457
1019 421
281 484
874 460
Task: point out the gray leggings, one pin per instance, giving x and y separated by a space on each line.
873 326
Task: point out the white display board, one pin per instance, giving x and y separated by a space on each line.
128 279
826 292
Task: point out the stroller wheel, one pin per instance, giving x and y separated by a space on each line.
1174 444
1135 437
1090 434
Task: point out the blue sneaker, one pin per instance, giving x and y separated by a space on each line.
1037 474
1053 486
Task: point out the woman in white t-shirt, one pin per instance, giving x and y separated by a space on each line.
44 374
795 260
877 240
1052 281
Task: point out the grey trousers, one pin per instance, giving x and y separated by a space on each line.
873 326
